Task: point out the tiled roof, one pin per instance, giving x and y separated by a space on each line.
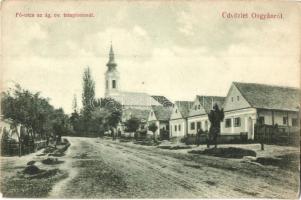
135 99
184 107
133 112
208 101
163 101
269 96
162 113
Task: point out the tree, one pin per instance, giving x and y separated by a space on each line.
153 128
216 116
32 111
88 93
132 124
24 107
99 121
114 109
74 104
74 118
59 123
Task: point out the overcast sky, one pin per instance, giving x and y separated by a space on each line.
176 48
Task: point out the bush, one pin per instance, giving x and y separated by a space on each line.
230 152
51 161
147 142
190 139
45 174
287 161
31 170
174 147
31 162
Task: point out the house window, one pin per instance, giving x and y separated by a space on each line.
192 126
294 122
198 125
176 127
199 107
228 123
237 98
195 107
261 120
237 122
179 127
285 121
232 99
176 111
113 83
107 84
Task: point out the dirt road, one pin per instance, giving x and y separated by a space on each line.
100 168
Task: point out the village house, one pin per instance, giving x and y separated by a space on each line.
198 114
160 116
178 118
249 103
10 136
7 131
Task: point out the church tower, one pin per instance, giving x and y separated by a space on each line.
111 76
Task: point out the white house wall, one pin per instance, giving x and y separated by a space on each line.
175 114
177 122
278 117
235 100
197 108
245 116
205 123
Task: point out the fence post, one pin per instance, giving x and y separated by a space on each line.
263 135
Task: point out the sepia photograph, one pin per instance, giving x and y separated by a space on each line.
155 99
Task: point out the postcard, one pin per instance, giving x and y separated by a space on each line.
150 99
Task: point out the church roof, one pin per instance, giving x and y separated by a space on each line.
270 96
135 99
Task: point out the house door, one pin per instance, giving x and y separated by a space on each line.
250 128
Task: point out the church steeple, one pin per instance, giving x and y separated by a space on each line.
111 64
111 76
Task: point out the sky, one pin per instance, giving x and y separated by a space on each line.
178 49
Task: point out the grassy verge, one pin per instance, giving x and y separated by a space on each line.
21 181
31 187
97 180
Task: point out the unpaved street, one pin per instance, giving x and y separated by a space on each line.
102 168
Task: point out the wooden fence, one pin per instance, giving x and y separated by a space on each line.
270 134
11 147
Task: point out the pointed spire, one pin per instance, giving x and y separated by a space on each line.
111 53
111 64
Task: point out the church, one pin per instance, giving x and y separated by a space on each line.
133 100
